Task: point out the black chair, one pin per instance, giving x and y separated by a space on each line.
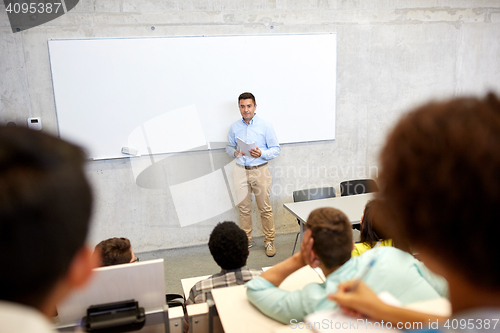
311 194
174 300
357 186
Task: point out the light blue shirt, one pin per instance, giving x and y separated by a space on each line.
258 131
395 271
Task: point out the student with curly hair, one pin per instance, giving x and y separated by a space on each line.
228 245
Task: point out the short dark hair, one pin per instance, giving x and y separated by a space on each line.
45 207
228 245
247 95
433 159
115 251
332 234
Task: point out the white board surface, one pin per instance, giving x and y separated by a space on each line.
172 94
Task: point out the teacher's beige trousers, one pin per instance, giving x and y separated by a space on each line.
257 180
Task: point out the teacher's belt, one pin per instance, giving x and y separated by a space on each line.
251 167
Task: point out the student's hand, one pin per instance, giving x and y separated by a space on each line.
357 303
238 153
255 152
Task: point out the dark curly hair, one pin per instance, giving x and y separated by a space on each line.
115 251
441 175
228 245
332 234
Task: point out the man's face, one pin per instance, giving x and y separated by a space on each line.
247 109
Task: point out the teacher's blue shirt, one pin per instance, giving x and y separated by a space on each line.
258 131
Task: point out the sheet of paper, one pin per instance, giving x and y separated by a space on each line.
334 320
245 147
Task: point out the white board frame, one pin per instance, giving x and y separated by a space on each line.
172 94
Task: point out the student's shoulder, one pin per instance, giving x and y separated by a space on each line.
206 283
390 251
250 273
360 248
382 256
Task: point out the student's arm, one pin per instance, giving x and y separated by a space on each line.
274 302
281 271
279 304
364 302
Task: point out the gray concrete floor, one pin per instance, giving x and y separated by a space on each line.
196 260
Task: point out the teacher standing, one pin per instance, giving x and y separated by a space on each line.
251 173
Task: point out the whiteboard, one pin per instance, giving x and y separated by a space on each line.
172 94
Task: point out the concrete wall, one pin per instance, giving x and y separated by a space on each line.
392 55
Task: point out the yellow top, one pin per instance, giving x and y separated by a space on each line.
360 248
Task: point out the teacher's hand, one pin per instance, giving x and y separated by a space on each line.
255 152
238 153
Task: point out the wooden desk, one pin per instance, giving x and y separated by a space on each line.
352 205
238 315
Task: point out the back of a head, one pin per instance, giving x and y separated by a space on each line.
368 224
45 206
441 175
115 251
228 245
332 234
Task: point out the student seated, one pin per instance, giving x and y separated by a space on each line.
228 245
45 207
327 244
369 237
115 251
433 157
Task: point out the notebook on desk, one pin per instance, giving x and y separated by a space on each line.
333 320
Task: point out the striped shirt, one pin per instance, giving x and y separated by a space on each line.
231 277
